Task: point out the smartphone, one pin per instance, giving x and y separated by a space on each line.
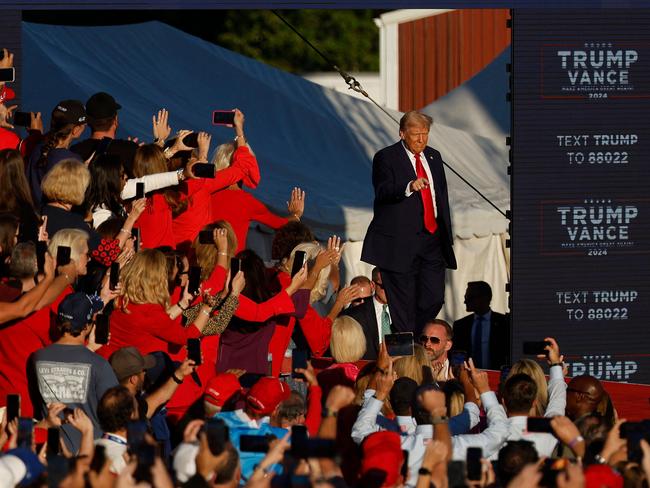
457 358
473 460
204 170
25 432
254 443
114 278
194 279
135 233
146 454
539 424
218 435
53 442
9 75
41 249
223 117
534 348
102 327
400 344
298 360
13 407
456 474
235 266
206 237
194 350
298 262
22 119
62 256
191 140
135 432
139 190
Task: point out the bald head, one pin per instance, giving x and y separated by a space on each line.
584 393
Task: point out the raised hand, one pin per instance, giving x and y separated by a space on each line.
204 145
296 204
161 129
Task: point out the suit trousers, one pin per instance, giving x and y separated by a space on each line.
417 295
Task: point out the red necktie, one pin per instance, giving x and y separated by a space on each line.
427 201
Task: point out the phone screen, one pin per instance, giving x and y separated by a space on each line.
206 237
9 74
191 140
102 327
53 442
25 432
539 424
139 190
298 360
204 170
254 443
458 358
62 256
223 117
22 119
298 262
235 266
194 350
13 407
114 278
399 344
474 471
534 348
194 279
218 435
135 233
41 250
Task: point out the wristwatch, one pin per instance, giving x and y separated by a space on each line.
424 472
328 412
439 420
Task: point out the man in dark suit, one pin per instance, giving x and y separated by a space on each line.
410 237
485 334
374 316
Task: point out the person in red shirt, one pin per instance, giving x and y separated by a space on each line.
144 317
240 207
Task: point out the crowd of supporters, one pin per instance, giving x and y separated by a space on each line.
196 382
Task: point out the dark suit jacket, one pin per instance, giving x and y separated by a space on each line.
364 313
390 241
499 338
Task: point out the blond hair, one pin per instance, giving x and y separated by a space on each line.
75 239
66 182
222 156
207 254
411 366
347 342
312 249
414 118
144 279
534 370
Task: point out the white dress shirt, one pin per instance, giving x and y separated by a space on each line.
427 170
379 308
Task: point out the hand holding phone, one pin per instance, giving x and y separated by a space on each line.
139 190
535 348
298 361
223 117
474 468
204 170
62 256
218 435
194 279
114 278
298 262
194 350
400 344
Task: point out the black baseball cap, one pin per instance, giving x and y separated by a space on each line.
78 309
102 106
72 112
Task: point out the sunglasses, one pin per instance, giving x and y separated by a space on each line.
434 340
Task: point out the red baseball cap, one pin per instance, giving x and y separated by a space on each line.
6 94
267 394
602 476
382 457
221 388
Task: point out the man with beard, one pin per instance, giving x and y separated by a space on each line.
130 369
436 340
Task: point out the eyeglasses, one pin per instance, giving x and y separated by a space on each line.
380 285
433 339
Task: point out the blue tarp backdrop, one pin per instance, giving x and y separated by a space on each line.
296 128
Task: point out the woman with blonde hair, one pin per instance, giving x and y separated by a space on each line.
64 187
411 366
143 316
347 345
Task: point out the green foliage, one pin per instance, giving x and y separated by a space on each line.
349 38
